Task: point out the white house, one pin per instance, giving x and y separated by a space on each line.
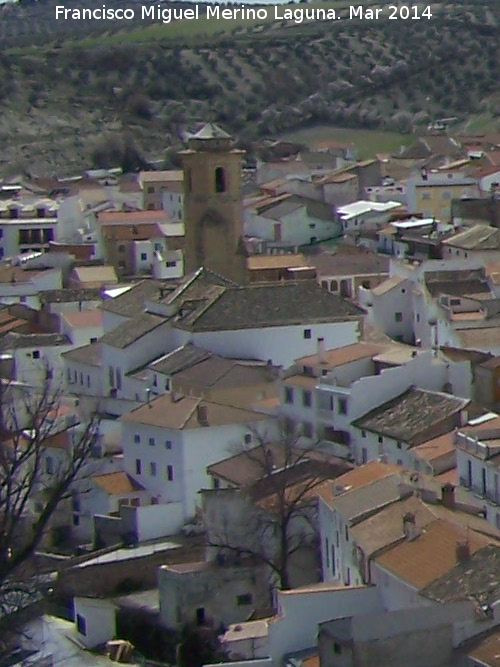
169 442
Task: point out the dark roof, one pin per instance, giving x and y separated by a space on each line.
89 355
184 357
478 579
14 340
456 282
264 306
129 332
69 295
409 417
130 302
342 263
478 237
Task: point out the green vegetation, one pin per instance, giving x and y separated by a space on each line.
125 96
367 142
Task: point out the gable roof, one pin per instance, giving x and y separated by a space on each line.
343 355
478 237
117 483
89 355
357 504
185 413
267 305
130 302
130 331
388 285
91 274
71 295
14 340
178 360
82 319
409 416
421 561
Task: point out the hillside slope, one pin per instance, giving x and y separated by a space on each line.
117 99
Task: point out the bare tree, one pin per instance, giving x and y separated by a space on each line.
274 514
27 422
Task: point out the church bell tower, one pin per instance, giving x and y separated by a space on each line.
213 210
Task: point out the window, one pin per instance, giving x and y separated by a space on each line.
380 440
220 180
327 552
170 473
81 625
248 438
118 378
363 434
400 462
307 430
334 286
13 213
288 395
455 302
426 196
81 378
158 247
399 445
215 482
168 444
307 334
306 399
36 354
188 180
150 190
76 519
342 406
245 599
138 467
398 317
152 469
170 265
137 438
337 648
346 534
364 455
152 442
121 248
144 256
49 465
93 340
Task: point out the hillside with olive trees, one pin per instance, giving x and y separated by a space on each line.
124 96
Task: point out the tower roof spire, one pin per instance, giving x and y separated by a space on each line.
211 131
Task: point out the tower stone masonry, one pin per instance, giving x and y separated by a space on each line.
213 209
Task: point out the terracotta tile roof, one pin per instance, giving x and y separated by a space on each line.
477 579
172 175
136 232
92 274
359 477
421 561
388 285
448 477
304 381
133 216
117 483
386 527
342 355
185 413
409 417
129 303
478 237
437 447
257 262
80 319
89 355
132 330
478 337
485 649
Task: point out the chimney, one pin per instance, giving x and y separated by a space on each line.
201 414
321 351
409 526
462 552
448 496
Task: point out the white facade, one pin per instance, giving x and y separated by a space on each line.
171 464
296 228
94 620
173 204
